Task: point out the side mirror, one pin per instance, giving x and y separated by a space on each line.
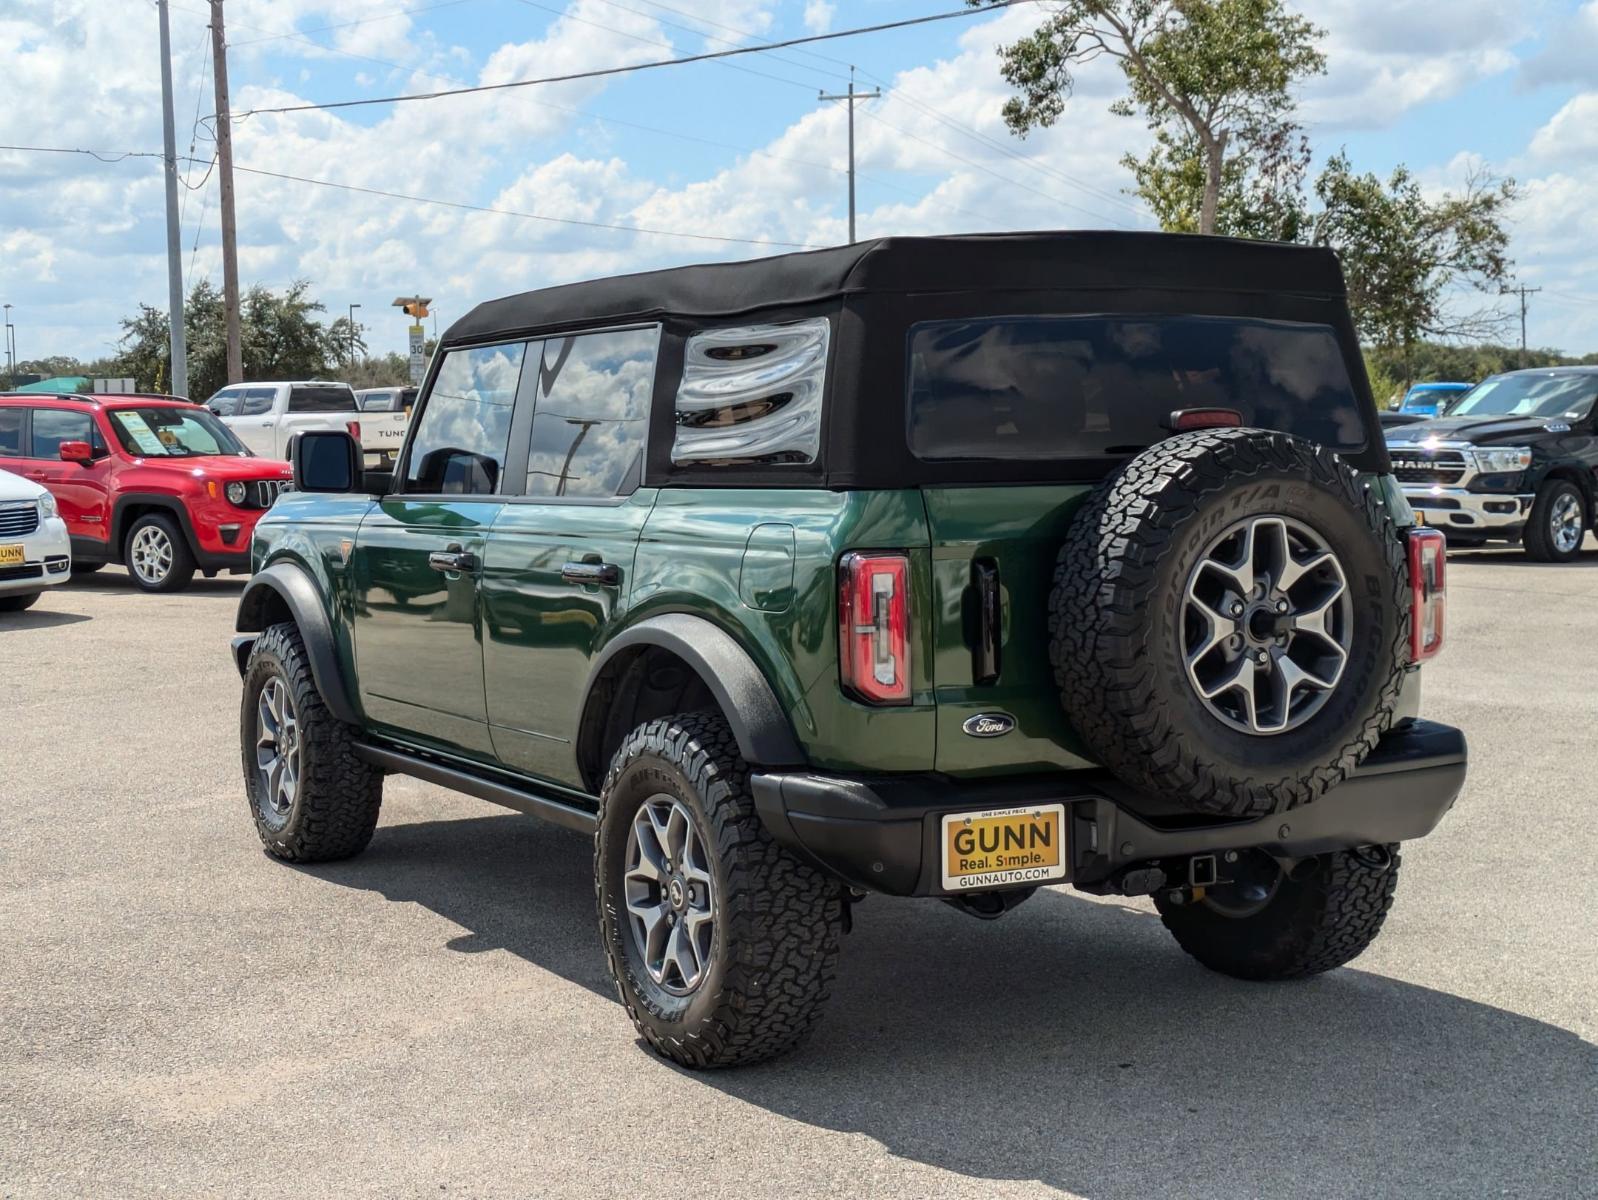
326 460
78 452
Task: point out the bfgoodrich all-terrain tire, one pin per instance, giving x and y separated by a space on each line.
1229 621
1287 927
311 798
721 943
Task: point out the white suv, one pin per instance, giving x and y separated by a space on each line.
35 552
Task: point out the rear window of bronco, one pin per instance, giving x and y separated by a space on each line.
1044 387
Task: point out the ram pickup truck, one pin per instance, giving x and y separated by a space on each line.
944 567
266 416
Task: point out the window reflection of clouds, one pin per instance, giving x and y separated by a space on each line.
470 405
592 416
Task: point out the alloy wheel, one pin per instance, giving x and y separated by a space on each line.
1267 625
150 554
670 894
277 751
1565 523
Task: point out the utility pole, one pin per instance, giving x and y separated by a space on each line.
1522 291
224 176
852 97
11 358
179 370
353 307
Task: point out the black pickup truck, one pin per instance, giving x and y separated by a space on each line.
1515 460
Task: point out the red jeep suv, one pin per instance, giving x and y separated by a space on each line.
152 482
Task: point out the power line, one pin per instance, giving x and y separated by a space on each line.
105 156
601 72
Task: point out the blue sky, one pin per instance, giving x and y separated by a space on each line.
1441 87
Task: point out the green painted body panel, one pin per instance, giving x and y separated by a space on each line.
541 631
1020 529
417 631
693 557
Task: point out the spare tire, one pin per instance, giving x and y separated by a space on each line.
1229 622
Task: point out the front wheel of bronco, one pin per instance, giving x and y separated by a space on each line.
1265 923
721 943
311 798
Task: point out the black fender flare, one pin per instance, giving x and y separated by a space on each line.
171 505
765 737
287 585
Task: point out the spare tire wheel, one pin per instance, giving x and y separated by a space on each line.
1229 622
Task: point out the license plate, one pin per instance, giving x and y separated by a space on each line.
1005 846
12 556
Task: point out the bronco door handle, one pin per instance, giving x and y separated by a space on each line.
452 559
608 574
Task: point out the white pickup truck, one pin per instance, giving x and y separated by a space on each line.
264 416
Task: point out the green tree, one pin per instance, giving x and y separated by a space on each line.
1212 78
278 332
1410 261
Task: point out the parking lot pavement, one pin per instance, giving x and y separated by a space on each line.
180 1015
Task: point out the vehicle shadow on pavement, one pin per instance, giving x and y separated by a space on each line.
40 618
1072 1043
1516 557
110 580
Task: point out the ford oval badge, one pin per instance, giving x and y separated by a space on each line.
989 724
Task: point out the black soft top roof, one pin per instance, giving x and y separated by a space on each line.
1012 262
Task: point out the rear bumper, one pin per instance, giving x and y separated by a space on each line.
880 833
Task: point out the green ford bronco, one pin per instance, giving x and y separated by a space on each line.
945 567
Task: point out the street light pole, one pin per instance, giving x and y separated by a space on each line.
353 307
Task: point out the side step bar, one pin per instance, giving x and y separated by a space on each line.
544 806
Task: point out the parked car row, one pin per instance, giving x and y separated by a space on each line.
155 483
265 416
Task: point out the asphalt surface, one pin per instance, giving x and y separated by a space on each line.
181 1015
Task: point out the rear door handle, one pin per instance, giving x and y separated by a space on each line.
452 559
608 574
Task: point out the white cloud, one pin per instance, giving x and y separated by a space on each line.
818 15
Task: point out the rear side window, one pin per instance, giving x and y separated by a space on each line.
52 426
321 399
11 432
1093 386
591 419
752 394
256 402
460 444
378 401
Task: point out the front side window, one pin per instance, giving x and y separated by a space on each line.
159 432
592 413
11 432
326 399
225 403
463 434
1551 395
1057 387
52 426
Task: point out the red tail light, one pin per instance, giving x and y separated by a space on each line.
355 429
874 627
1429 591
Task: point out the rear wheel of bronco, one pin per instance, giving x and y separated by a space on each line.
721 943
311 798
1268 924
1229 621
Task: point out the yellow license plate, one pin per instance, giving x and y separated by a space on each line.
996 848
12 556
